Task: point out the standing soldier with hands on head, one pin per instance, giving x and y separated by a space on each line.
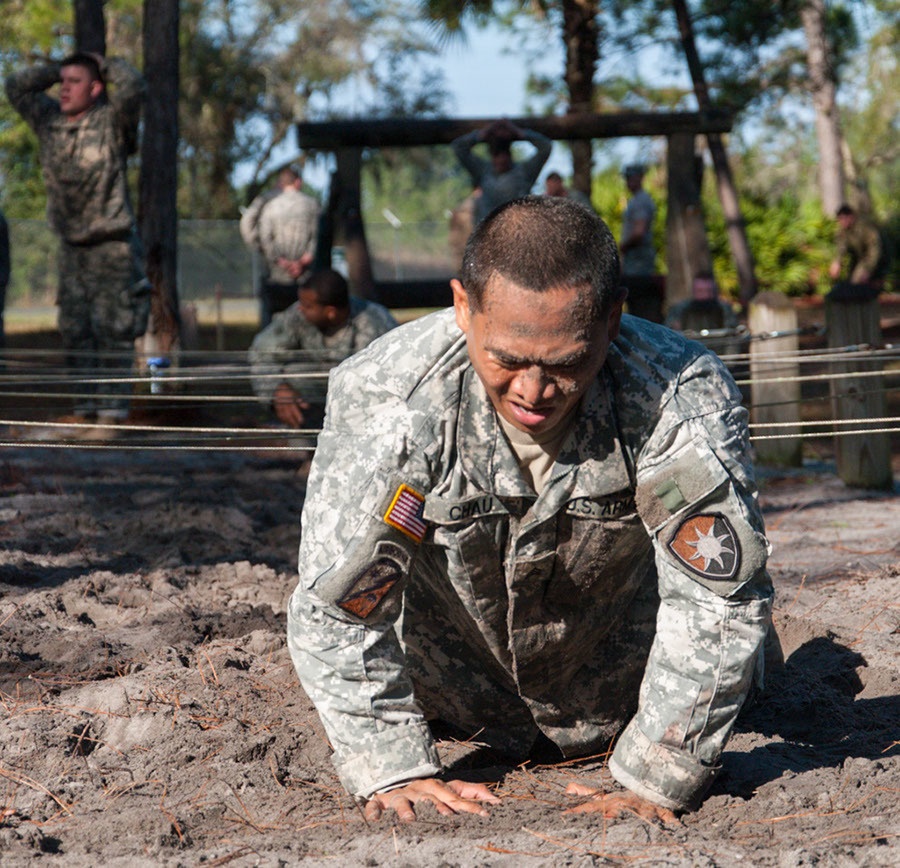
501 179
85 138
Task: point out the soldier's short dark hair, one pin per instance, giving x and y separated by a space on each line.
330 287
88 61
845 209
543 243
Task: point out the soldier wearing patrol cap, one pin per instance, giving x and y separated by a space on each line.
534 518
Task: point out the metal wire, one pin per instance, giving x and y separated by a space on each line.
222 368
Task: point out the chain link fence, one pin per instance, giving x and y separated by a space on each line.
214 262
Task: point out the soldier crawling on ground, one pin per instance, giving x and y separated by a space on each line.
532 519
85 137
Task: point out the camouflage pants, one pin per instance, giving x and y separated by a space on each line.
455 685
103 306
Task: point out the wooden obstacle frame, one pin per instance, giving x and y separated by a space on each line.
687 247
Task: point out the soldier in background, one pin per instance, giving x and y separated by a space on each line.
636 246
555 186
85 138
283 228
323 327
861 255
535 520
501 179
705 309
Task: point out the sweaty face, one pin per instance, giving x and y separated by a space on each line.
535 352
77 91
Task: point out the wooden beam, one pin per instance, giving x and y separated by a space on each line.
410 132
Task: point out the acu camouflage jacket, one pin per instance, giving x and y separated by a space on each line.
416 513
84 161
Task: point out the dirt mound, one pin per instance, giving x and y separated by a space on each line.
149 714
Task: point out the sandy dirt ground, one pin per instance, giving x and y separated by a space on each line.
149 713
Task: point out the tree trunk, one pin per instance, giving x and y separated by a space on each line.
580 41
157 202
823 87
687 247
90 26
734 220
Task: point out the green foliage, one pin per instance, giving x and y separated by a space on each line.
792 240
792 243
871 117
415 184
609 196
32 247
249 70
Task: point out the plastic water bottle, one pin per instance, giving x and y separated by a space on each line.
157 366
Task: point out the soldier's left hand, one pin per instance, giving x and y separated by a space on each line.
618 804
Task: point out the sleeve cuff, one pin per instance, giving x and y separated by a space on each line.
659 774
390 758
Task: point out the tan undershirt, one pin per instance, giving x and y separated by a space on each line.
536 454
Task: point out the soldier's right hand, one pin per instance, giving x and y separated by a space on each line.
289 406
452 797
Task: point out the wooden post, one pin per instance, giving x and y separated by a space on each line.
349 227
687 250
158 182
90 26
220 322
775 359
863 460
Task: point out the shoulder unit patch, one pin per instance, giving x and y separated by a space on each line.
707 545
371 587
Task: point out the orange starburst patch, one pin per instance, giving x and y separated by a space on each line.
707 545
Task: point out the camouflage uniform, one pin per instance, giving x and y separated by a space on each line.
434 583
861 244
283 225
103 296
295 348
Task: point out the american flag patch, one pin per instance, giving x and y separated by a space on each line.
405 513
